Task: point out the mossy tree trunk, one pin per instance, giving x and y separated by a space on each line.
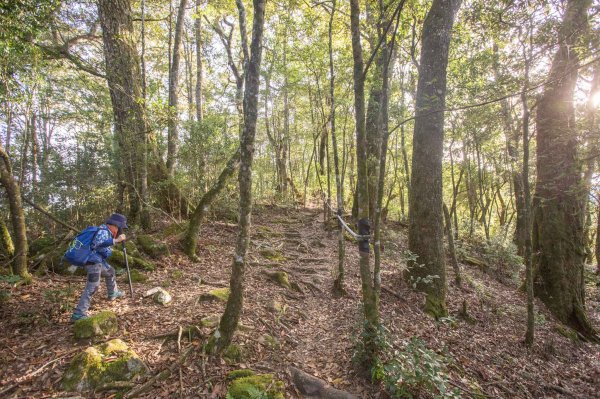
17 216
558 229
8 248
230 318
371 311
190 239
425 234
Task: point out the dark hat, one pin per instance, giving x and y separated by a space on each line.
116 219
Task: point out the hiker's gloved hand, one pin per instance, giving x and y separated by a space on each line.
119 239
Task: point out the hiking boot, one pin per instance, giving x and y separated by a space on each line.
115 295
78 316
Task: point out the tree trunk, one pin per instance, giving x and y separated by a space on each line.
6 242
425 234
229 319
338 285
173 84
371 311
17 216
190 240
199 66
558 242
452 250
125 86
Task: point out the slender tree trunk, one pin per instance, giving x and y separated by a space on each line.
145 219
190 240
229 319
450 237
558 242
6 242
338 285
425 234
173 85
371 311
17 216
199 66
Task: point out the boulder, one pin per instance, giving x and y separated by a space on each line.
118 258
280 278
272 254
102 365
152 247
257 385
98 325
220 294
162 297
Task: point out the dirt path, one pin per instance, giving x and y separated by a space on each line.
310 329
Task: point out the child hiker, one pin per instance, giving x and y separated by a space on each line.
90 249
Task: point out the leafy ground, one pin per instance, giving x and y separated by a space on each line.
309 329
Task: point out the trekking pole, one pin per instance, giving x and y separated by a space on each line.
127 266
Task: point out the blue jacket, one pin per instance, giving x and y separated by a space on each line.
101 244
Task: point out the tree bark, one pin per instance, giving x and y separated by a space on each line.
233 308
558 229
190 239
199 66
17 217
173 84
425 234
371 311
125 86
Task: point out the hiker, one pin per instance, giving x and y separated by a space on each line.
90 249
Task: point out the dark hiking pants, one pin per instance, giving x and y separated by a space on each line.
94 273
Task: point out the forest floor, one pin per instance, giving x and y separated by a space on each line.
311 330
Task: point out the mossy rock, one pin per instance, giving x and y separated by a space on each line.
220 294
101 324
132 249
102 365
266 232
152 247
280 278
235 374
177 275
232 354
272 254
173 230
136 276
118 259
210 321
258 385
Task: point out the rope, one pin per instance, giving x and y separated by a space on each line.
356 236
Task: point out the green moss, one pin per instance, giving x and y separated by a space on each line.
567 332
152 247
210 321
173 230
102 364
235 374
266 232
136 276
232 353
118 259
269 341
435 307
132 249
258 385
101 324
221 294
176 274
280 278
272 254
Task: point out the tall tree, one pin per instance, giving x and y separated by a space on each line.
558 220
371 311
425 233
125 86
173 85
17 217
230 318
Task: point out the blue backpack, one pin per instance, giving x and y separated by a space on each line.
80 249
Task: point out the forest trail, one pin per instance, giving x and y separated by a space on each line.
309 328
